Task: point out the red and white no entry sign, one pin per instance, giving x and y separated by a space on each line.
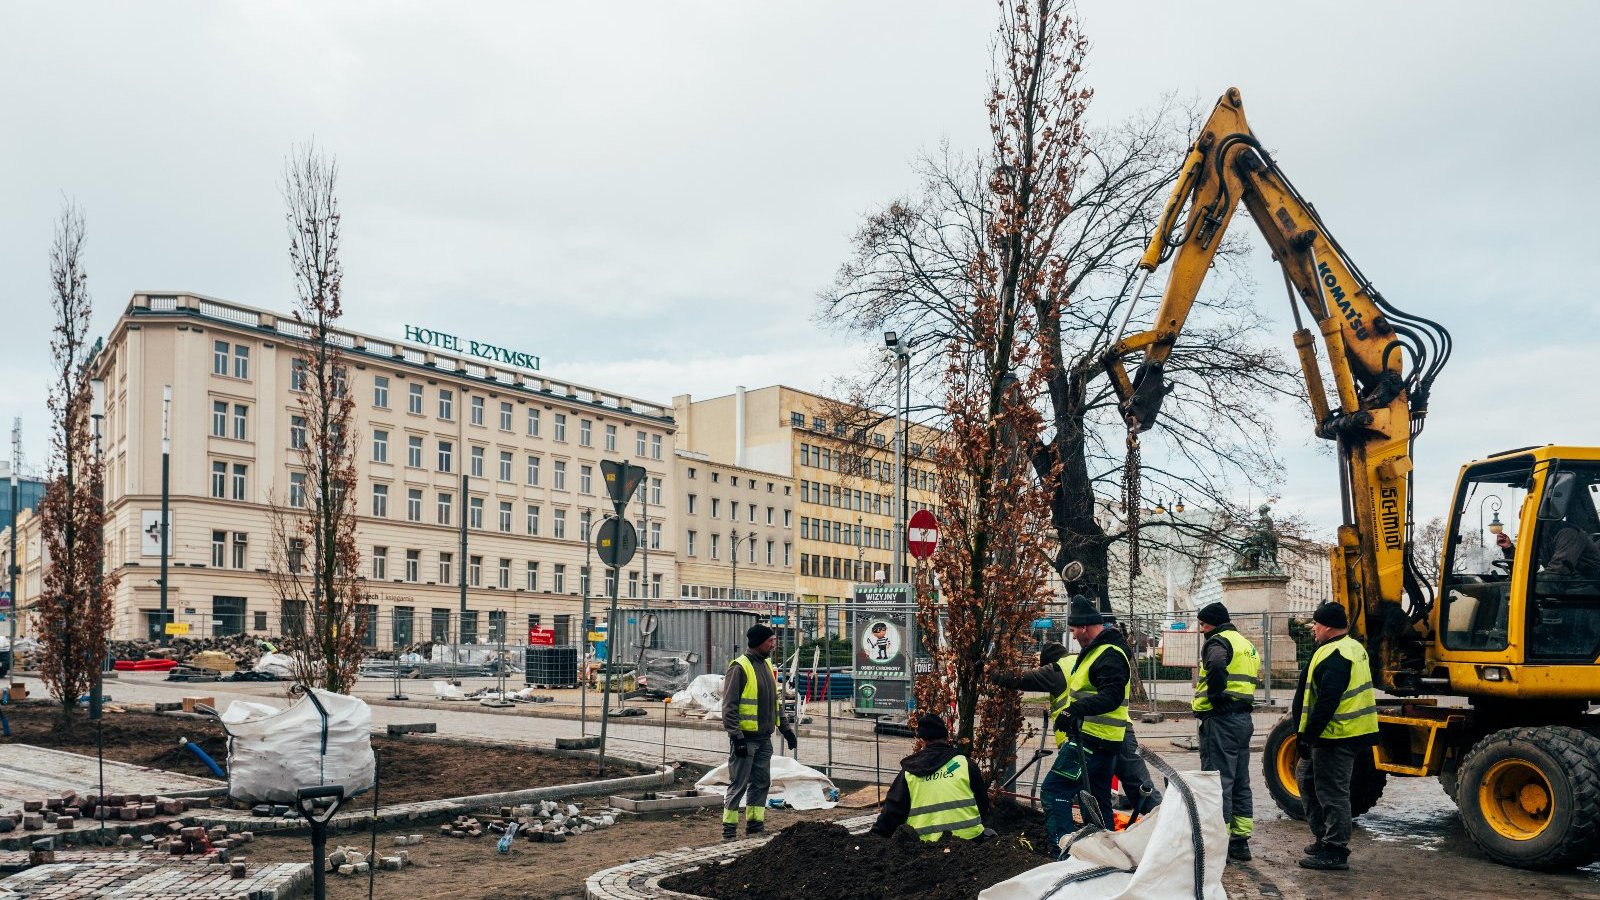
922 534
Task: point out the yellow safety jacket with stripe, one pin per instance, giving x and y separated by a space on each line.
1357 713
1244 672
1110 726
750 696
943 801
1060 702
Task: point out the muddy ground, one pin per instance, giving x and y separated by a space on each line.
409 769
471 867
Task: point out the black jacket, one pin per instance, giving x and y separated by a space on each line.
897 803
1333 679
1215 657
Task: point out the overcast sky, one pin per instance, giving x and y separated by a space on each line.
650 195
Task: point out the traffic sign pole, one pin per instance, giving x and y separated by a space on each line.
616 545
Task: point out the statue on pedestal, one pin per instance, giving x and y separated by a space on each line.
1258 552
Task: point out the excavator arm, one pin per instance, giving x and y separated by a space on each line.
1382 362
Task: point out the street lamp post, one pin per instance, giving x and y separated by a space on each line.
901 348
11 563
1495 525
166 488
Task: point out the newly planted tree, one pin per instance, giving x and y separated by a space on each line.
316 563
74 616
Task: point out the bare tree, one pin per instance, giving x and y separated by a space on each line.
993 564
316 563
907 273
74 613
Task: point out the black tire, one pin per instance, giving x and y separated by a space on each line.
1451 782
1530 797
1278 760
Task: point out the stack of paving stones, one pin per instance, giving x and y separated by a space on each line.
351 861
76 815
544 822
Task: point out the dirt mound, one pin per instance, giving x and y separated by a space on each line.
808 860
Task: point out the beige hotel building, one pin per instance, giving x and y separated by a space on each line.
530 445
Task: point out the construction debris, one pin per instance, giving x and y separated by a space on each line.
544 822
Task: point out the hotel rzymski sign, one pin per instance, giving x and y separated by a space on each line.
490 352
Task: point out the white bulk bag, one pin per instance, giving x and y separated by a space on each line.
1156 854
801 787
273 753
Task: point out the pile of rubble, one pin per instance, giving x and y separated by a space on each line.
543 822
243 650
65 811
349 861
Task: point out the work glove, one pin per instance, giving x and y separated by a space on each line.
790 738
741 748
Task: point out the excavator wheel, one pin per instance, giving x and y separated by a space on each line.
1282 756
1530 797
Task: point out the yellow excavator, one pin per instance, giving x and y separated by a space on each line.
1487 677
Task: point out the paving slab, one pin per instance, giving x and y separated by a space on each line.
125 875
29 772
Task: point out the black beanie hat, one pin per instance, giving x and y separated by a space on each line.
1332 615
1214 614
1084 613
758 634
1049 653
932 728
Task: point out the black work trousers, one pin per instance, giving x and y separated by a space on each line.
1324 778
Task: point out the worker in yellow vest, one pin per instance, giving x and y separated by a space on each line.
1224 701
1337 714
1088 703
938 791
750 712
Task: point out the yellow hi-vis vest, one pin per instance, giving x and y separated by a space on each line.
749 698
943 802
1111 726
1244 671
1357 713
1060 702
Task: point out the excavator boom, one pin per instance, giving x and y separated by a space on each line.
1382 363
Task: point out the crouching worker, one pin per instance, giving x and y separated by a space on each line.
938 791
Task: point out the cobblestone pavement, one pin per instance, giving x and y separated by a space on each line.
85 875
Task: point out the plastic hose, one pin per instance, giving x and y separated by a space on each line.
204 757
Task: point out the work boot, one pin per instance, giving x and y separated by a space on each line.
1329 860
754 827
1316 848
1239 849
730 831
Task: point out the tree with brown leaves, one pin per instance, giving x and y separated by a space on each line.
994 562
74 614
316 563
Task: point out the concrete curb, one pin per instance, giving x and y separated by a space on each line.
641 880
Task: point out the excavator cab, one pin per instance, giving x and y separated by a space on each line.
1519 599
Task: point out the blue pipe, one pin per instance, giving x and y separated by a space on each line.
204 757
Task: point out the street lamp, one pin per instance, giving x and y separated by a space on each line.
166 487
733 550
901 348
1495 525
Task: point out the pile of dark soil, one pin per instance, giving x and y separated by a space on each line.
409 769
808 860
